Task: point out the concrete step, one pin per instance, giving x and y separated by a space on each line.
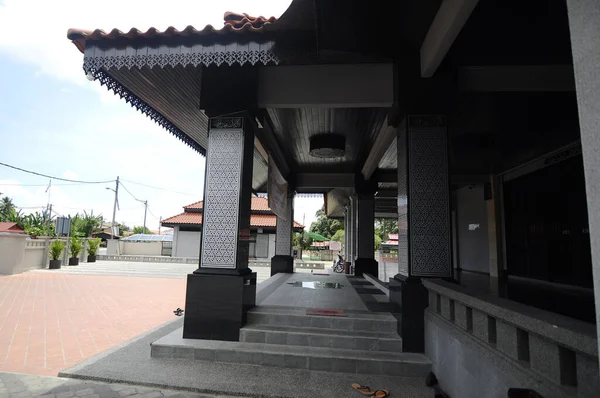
317 337
355 321
293 357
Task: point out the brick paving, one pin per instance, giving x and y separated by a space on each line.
51 320
15 385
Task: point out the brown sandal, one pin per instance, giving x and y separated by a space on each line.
364 390
381 393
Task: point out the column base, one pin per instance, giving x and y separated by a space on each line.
216 305
408 298
366 266
284 264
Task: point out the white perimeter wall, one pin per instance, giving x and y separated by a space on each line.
186 243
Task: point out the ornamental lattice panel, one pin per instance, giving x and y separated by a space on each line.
222 199
429 202
283 238
403 255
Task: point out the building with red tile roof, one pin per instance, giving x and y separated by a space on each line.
187 227
11 227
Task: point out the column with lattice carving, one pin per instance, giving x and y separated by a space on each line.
283 261
223 288
424 240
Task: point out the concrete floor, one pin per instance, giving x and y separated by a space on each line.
343 298
152 270
19 385
131 363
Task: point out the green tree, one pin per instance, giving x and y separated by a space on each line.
386 226
324 225
302 240
377 242
338 236
141 230
7 207
123 228
84 225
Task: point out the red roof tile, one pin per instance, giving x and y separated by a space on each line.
257 204
236 23
11 227
256 220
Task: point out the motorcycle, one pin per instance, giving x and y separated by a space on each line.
338 265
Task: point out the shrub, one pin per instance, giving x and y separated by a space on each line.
75 247
93 246
56 249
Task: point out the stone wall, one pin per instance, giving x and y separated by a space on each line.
482 346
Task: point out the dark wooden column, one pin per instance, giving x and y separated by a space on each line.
223 288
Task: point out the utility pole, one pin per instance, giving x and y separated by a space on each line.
112 225
145 212
159 223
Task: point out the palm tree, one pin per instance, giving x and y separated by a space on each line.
6 207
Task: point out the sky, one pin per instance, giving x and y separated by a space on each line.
54 121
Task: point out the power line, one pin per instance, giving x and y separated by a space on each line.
160 189
132 195
38 185
54 178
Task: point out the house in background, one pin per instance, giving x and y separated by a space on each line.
187 228
11 227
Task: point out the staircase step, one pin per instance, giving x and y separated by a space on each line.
373 322
296 357
317 337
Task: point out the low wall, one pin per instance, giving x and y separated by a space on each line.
125 248
19 253
482 345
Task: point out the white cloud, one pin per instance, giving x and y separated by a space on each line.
70 175
34 31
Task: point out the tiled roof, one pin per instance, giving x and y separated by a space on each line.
236 23
184 219
258 204
10 227
256 220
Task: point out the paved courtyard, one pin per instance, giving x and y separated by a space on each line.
53 320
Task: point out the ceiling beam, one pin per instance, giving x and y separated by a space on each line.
321 181
266 138
386 194
447 24
390 176
326 86
498 78
379 214
261 149
381 144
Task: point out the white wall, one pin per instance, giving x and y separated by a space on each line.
272 245
262 246
472 228
188 244
141 248
121 247
19 253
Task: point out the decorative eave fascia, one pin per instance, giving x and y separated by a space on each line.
96 57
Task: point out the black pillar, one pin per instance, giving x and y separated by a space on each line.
424 240
283 261
365 210
223 288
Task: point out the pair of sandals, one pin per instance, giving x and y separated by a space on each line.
364 390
